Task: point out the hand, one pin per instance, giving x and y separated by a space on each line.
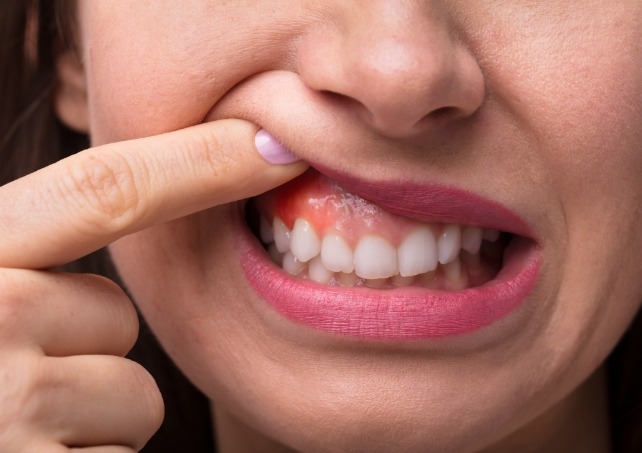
64 384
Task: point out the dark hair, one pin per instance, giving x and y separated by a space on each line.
32 35
625 388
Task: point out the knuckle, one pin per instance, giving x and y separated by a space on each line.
14 301
207 150
106 188
21 394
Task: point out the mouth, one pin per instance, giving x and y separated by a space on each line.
385 261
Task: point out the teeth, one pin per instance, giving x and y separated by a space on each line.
452 270
291 264
304 242
490 235
318 272
281 235
398 280
417 253
347 279
471 239
455 275
336 254
472 261
449 244
375 258
428 278
375 262
377 283
275 255
267 232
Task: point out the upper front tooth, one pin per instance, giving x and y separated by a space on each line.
305 243
471 239
281 235
375 257
449 243
417 253
336 254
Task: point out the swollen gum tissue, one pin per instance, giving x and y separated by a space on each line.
330 208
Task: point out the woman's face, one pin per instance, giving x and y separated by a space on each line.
523 117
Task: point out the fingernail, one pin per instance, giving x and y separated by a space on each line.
272 150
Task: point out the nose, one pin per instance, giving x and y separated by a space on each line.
400 65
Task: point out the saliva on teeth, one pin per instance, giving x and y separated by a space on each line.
430 255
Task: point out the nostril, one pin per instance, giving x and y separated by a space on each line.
341 100
437 118
392 122
443 113
392 64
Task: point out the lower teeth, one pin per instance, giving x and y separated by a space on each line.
457 275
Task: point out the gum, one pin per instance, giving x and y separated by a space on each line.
331 209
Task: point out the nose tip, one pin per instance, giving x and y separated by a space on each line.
401 76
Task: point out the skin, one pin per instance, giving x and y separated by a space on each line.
534 105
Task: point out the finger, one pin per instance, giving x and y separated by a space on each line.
103 449
65 314
87 401
88 200
46 446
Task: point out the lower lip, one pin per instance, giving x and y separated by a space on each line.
394 314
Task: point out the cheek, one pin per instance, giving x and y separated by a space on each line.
158 66
161 68
594 157
594 162
135 101
572 78
582 112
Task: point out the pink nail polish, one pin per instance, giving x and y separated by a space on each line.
271 150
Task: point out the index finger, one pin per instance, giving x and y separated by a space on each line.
84 202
